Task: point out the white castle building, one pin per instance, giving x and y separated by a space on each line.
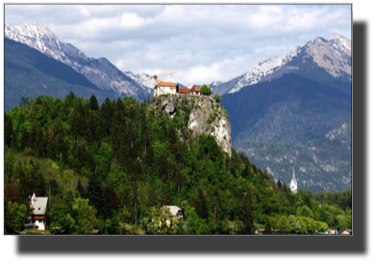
293 184
165 88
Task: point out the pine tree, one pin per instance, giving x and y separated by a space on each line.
95 193
216 201
107 209
151 197
149 157
168 200
200 204
40 143
135 199
52 187
93 104
80 189
8 130
163 167
24 139
268 228
279 184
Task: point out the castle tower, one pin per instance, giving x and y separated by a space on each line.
293 184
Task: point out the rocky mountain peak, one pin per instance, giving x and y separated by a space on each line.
100 72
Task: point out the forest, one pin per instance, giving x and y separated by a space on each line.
113 166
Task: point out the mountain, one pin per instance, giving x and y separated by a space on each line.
29 73
297 97
291 108
320 165
100 72
333 55
215 84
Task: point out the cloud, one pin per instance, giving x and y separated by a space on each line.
211 42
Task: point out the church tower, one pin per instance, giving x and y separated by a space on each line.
293 184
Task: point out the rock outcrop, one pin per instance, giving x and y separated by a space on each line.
205 116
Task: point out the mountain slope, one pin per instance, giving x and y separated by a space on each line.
320 165
291 108
333 55
29 73
100 72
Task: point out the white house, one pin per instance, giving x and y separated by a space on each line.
174 212
164 88
293 184
37 212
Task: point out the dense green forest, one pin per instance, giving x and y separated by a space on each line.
110 166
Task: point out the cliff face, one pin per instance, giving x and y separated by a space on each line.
205 116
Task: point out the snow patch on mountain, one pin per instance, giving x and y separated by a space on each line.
262 69
100 72
142 79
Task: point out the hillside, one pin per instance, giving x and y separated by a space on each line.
99 71
320 165
138 157
29 73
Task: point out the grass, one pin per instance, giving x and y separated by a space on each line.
133 230
37 232
259 225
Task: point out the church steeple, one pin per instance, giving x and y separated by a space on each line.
293 184
293 175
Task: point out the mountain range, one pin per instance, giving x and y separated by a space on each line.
332 55
100 71
29 73
298 97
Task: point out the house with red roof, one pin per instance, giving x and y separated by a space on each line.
195 90
165 88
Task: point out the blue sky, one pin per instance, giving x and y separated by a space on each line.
211 42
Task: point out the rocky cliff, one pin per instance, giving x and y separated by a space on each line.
202 115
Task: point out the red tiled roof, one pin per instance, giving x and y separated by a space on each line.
184 90
166 84
195 88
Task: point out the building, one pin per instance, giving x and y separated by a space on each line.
195 90
175 211
184 91
37 212
164 88
293 184
346 232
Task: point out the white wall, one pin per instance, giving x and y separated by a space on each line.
164 90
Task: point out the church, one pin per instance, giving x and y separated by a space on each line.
293 184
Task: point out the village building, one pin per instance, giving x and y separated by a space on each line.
37 212
346 232
184 91
165 88
293 184
176 212
195 90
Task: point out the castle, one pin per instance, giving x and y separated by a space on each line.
171 88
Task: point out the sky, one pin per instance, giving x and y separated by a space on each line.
210 42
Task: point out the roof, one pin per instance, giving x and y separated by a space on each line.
195 88
166 84
173 209
39 205
184 90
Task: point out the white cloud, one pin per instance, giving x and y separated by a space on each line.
211 42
